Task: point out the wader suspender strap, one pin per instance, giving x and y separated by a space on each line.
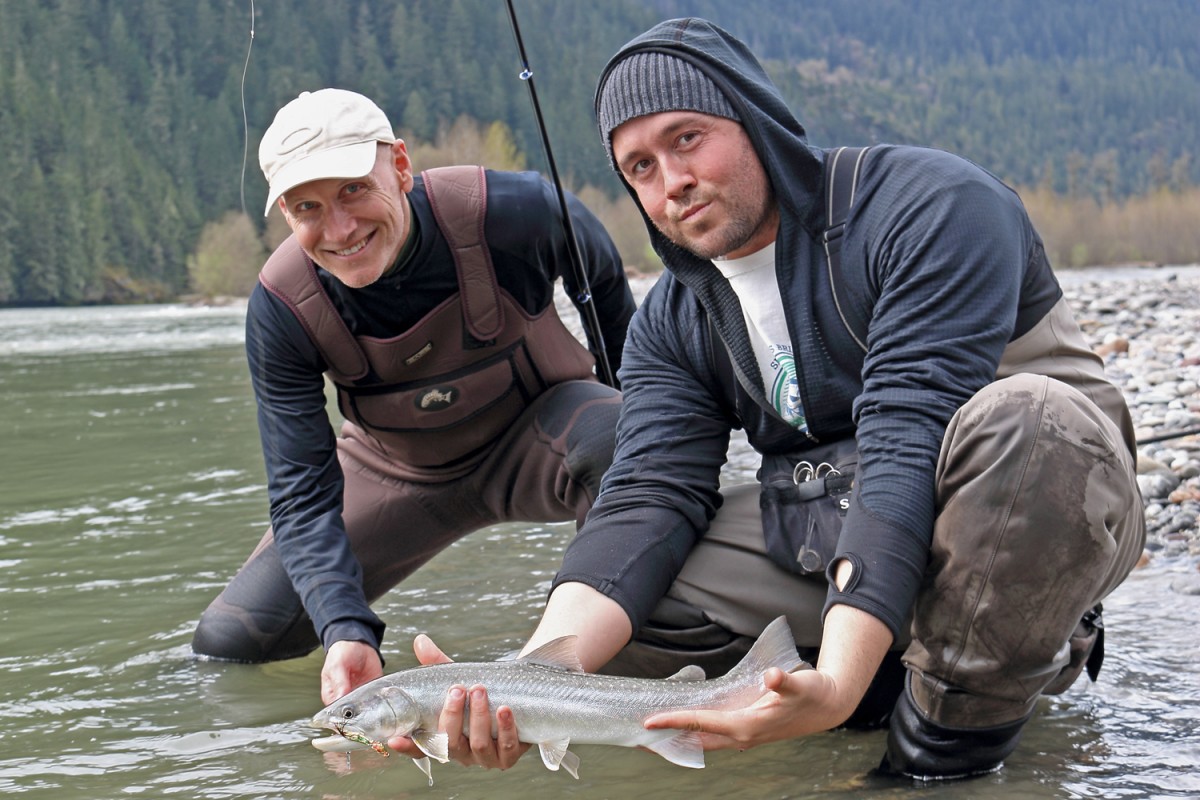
458 197
459 211
304 295
841 179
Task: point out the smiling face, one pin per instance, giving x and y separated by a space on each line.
699 180
355 227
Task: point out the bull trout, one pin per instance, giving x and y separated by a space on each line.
554 703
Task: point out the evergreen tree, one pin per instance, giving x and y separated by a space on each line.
123 132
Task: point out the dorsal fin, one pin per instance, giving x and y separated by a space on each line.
775 647
559 653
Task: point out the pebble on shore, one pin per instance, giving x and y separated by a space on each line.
1147 330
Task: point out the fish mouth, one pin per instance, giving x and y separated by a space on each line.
345 740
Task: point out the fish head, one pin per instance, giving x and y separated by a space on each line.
370 715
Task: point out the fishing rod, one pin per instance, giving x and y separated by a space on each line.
1163 437
583 298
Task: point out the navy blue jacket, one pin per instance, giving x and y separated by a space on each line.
304 481
941 264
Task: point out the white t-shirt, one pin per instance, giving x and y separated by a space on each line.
753 279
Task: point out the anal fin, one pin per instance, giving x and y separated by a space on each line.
684 749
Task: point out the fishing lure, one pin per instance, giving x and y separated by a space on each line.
378 747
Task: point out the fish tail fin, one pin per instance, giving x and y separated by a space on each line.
685 749
775 647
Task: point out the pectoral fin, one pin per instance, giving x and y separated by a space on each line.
423 765
555 755
684 749
433 744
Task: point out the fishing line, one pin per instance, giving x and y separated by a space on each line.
245 119
587 305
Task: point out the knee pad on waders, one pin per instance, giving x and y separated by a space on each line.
582 422
229 637
678 635
257 617
920 749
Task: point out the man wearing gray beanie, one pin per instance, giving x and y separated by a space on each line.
654 82
947 477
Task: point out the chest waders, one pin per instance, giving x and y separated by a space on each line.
481 413
430 401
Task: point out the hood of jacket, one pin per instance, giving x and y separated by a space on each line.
793 167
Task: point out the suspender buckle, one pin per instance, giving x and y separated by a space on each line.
834 233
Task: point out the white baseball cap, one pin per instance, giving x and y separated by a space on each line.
330 133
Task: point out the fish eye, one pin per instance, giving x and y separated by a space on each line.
348 712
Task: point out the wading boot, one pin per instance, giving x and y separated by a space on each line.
923 750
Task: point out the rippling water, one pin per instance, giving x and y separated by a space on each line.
133 488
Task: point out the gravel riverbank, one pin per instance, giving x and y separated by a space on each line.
1145 324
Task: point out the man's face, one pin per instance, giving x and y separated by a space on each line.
699 180
354 227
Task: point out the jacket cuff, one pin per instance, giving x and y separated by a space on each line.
888 567
353 630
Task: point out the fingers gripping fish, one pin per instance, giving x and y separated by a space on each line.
554 702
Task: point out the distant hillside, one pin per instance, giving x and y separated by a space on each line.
1100 97
121 121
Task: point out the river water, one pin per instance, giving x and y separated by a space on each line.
133 488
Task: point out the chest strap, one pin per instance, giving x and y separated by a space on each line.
458 197
842 168
841 179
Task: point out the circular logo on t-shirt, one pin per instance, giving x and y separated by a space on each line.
785 391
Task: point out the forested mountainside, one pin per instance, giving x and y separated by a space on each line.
126 127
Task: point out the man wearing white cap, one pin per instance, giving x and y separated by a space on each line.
427 300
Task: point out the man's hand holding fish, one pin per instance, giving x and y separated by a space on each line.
478 746
796 703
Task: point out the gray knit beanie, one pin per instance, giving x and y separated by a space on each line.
649 83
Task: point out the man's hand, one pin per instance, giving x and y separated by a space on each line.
348 665
795 704
798 703
476 746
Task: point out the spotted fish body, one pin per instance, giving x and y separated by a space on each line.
554 702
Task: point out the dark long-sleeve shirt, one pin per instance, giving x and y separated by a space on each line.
528 248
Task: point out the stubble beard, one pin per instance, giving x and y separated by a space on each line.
726 238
